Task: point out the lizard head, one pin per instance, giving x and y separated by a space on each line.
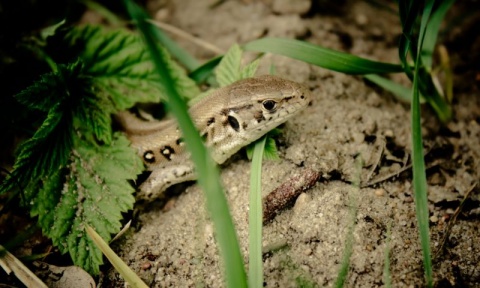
255 106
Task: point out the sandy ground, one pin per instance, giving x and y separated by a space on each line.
349 118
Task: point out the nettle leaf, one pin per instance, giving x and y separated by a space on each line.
249 70
121 67
93 114
47 198
89 195
228 71
50 89
46 151
270 151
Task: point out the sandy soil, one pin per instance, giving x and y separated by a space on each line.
349 118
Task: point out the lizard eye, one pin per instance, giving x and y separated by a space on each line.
269 105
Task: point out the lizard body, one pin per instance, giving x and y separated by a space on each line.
228 119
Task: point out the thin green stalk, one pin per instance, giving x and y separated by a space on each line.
401 92
255 263
419 176
208 175
182 55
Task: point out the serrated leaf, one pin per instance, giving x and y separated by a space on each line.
270 149
94 116
121 67
39 155
249 70
50 89
90 195
228 71
47 198
270 152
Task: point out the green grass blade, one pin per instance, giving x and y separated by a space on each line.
420 184
432 31
401 92
432 96
208 176
130 277
255 263
202 73
419 174
111 17
175 50
323 57
408 11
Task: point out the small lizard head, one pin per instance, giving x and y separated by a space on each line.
256 106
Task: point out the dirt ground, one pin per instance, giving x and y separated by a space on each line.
349 118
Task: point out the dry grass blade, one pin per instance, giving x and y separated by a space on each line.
11 264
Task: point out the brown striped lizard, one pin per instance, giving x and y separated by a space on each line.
228 119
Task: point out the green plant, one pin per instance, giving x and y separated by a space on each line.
74 170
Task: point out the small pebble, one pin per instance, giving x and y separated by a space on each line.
301 202
361 19
146 265
380 192
388 133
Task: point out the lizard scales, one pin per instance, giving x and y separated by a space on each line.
228 119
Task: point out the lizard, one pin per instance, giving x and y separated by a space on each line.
228 119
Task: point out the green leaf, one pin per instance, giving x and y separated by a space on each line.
323 57
51 88
432 31
419 174
401 92
270 150
408 11
40 155
204 72
255 217
120 66
228 71
90 196
249 70
182 55
93 115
